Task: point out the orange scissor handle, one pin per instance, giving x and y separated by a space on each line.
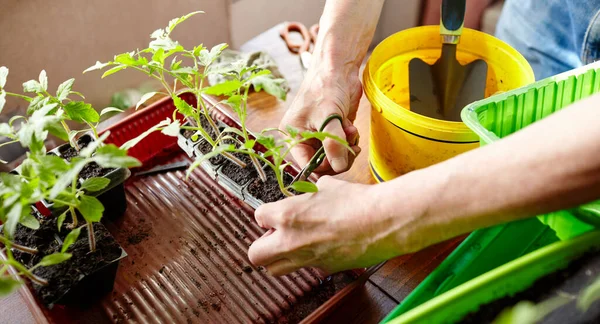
290 27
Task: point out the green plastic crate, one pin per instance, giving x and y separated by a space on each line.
486 249
499 116
505 280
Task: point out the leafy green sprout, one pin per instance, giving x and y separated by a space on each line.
189 68
60 106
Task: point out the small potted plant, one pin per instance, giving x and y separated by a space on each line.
88 262
59 109
223 151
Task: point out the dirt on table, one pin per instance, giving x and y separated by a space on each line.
569 281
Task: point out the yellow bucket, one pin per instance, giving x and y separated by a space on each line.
402 141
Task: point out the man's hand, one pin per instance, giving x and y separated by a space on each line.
322 95
335 229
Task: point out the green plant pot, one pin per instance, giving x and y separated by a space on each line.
505 280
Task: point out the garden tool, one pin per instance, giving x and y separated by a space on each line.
441 90
309 37
319 156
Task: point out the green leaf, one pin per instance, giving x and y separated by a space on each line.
272 86
144 98
80 111
108 110
174 22
12 219
55 163
164 43
183 107
2 99
3 76
57 130
5 130
70 239
110 156
206 57
175 64
268 141
37 102
66 178
198 49
29 221
132 142
249 144
44 80
224 88
64 89
90 208
98 66
95 184
304 186
8 285
32 86
114 70
61 219
54 259
232 130
159 33
172 129
292 132
126 59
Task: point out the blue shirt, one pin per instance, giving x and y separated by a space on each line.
553 35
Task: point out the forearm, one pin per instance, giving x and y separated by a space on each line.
346 29
551 165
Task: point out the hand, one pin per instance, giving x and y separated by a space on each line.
321 95
337 228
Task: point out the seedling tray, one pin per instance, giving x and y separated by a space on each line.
506 280
187 244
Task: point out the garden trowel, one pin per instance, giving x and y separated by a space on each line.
441 90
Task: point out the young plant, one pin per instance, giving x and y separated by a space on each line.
61 106
182 70
43 176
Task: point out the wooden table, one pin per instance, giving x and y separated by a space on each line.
391 283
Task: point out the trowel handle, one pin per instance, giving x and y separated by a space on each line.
452 19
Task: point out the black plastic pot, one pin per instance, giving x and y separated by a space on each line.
112 196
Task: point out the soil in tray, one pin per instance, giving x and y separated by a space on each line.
204 147
205 125
311 301
237 174
569 281
90 170
63 276
269 191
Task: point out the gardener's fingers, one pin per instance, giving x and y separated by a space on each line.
267 216
302 153
265 250
282 267
336 153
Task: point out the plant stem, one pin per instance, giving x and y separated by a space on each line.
16 246
93 128
91 236
22 270
261 172
17 95
73 216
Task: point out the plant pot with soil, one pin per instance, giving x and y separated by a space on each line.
112 196
49 251
82 279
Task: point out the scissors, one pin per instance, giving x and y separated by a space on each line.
309 36
319 156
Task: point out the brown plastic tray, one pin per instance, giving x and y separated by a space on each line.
187 243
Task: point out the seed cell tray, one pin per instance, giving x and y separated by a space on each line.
187 243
